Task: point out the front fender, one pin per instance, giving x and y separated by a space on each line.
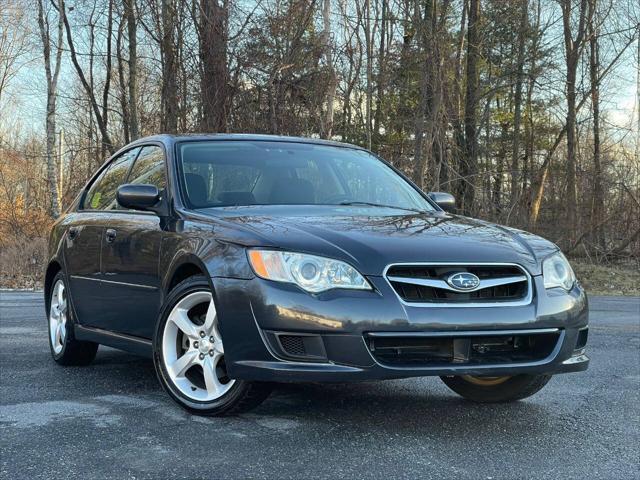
215 258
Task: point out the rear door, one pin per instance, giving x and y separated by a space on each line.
130 255
84 237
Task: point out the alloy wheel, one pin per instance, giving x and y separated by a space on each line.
58 317
192 349
485 381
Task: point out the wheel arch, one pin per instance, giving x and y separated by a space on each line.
53 268
184 267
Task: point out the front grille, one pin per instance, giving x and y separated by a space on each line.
472 350
428 284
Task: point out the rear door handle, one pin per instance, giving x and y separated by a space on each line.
73 232
110 235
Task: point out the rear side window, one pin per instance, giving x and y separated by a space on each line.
149 168
102 193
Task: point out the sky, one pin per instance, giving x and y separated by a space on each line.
23 106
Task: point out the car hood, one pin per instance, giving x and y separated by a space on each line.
371 238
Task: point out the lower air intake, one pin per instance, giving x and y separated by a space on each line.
444 351
293 345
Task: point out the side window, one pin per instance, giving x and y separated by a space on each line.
149 168
102 194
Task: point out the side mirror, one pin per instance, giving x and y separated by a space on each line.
138 196
445 201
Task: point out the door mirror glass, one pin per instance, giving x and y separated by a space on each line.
445 201
138 196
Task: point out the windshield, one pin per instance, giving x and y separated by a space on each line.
234 173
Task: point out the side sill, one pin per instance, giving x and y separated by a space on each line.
128 343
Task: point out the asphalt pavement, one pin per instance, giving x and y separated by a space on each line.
112 420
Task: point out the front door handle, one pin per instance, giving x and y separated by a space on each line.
110 235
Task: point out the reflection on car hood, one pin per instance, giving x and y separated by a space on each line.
372 238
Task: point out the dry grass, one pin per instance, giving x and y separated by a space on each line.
22 263
608 279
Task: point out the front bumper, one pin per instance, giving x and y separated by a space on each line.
252 310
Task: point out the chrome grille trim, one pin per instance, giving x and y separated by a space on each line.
429 282
488 283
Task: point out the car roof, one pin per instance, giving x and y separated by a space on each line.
251 137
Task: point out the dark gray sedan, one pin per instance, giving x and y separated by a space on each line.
240 260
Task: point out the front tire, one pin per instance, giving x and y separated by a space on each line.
496 389
189 355
65 349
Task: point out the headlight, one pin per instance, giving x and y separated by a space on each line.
311 273
557 272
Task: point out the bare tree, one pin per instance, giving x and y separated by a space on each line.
52 71
89 90
13 44
573 45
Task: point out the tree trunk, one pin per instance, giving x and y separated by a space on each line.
134 129
573 48
124 103
169 100
107 82
52 87
598 199
327 121
469 167
369 93
377 118
457 115
214 80
404 110
425 37
516 174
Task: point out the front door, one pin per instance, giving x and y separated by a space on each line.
130 255
85 238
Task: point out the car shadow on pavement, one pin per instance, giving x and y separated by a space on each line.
397 407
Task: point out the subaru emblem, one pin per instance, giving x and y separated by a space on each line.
463 281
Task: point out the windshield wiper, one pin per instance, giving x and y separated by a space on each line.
371 204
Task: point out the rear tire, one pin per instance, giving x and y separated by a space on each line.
65 349
496 389
188 355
